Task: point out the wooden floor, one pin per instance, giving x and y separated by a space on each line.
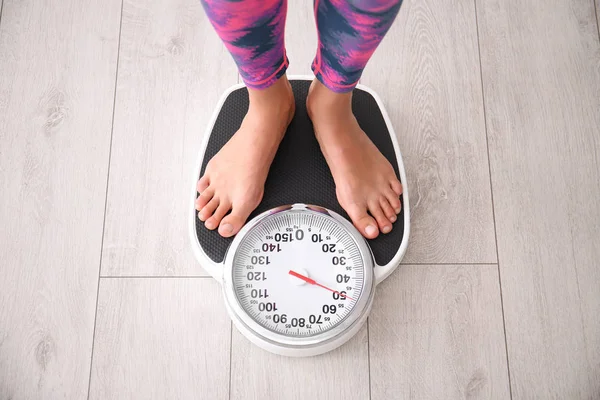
103 105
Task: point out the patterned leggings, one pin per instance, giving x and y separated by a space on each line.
349 32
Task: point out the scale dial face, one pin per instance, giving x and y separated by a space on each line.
300 273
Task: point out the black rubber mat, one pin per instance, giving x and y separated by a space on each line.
299 173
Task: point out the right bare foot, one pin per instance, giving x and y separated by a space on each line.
366 184
235 177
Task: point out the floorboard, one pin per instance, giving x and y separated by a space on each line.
436 332
541 84
172 70
426 71
57 80
338 375
300 37
597 10
160 339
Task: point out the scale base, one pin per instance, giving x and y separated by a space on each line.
299 173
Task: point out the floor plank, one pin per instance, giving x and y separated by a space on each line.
161 339
339 375
426 71
436 332
300 37
541 84
172 70
57 74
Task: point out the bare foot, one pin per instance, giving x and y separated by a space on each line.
235 177
365 180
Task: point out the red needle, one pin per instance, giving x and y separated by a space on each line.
313 282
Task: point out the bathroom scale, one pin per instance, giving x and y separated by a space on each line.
299 279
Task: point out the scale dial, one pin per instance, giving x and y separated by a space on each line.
299 275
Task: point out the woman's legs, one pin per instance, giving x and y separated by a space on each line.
349 33
253 32
366 185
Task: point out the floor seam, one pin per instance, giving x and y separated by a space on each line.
442 264
369 356
485 120
230 356
105 199
155 277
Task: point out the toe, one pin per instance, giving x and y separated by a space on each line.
393 200
214 221
202 184
388 210
363 221
231 224
376 211
208 210
204 198
396 186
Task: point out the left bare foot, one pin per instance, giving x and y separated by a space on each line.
235 177
365 180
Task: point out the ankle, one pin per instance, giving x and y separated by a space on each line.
323 101
278 95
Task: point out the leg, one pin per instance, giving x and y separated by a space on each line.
253 32
366 185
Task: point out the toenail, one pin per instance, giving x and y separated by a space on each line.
370 230
227 228
386 229
397 211
393 218
209 224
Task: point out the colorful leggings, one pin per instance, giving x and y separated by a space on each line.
349 31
